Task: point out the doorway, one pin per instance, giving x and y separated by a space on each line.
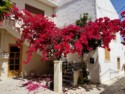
14 66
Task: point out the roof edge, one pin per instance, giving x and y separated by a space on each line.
50 3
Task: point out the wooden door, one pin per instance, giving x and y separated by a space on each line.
14 66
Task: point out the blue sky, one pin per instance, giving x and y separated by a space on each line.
119 5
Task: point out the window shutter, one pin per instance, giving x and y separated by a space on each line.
118 63
107 55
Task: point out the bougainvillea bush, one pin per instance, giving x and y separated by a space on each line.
98 33
38 31
53 42
41 34
122 26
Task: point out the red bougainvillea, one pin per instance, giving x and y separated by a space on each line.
122 26
99 33
43 35
54 15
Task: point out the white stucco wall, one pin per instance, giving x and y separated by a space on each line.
93 69
48 10
108 69
10 36
104 8
70 10
35 65
6 39
67 13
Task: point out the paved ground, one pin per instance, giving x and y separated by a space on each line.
17 87
86 89
116 86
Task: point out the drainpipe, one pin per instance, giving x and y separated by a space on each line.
54 12
95 8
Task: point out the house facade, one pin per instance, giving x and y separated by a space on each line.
11 57
110 62
107 65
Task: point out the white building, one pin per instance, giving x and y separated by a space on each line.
107 64
11 65
110 62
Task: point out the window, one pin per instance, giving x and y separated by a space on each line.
91 60
33 9
14 60
107 55
118 63
115 40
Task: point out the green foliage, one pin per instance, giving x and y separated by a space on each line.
85 73
83 20
5 6
51 67
92 43
83 79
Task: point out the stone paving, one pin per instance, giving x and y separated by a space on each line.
13 86
86 89
117 87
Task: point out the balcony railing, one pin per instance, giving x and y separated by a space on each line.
14 28
12 23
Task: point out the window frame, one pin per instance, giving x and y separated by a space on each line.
107 55
33 9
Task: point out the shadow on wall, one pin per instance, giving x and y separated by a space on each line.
93 67
36 65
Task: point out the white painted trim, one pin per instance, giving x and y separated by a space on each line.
50 3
